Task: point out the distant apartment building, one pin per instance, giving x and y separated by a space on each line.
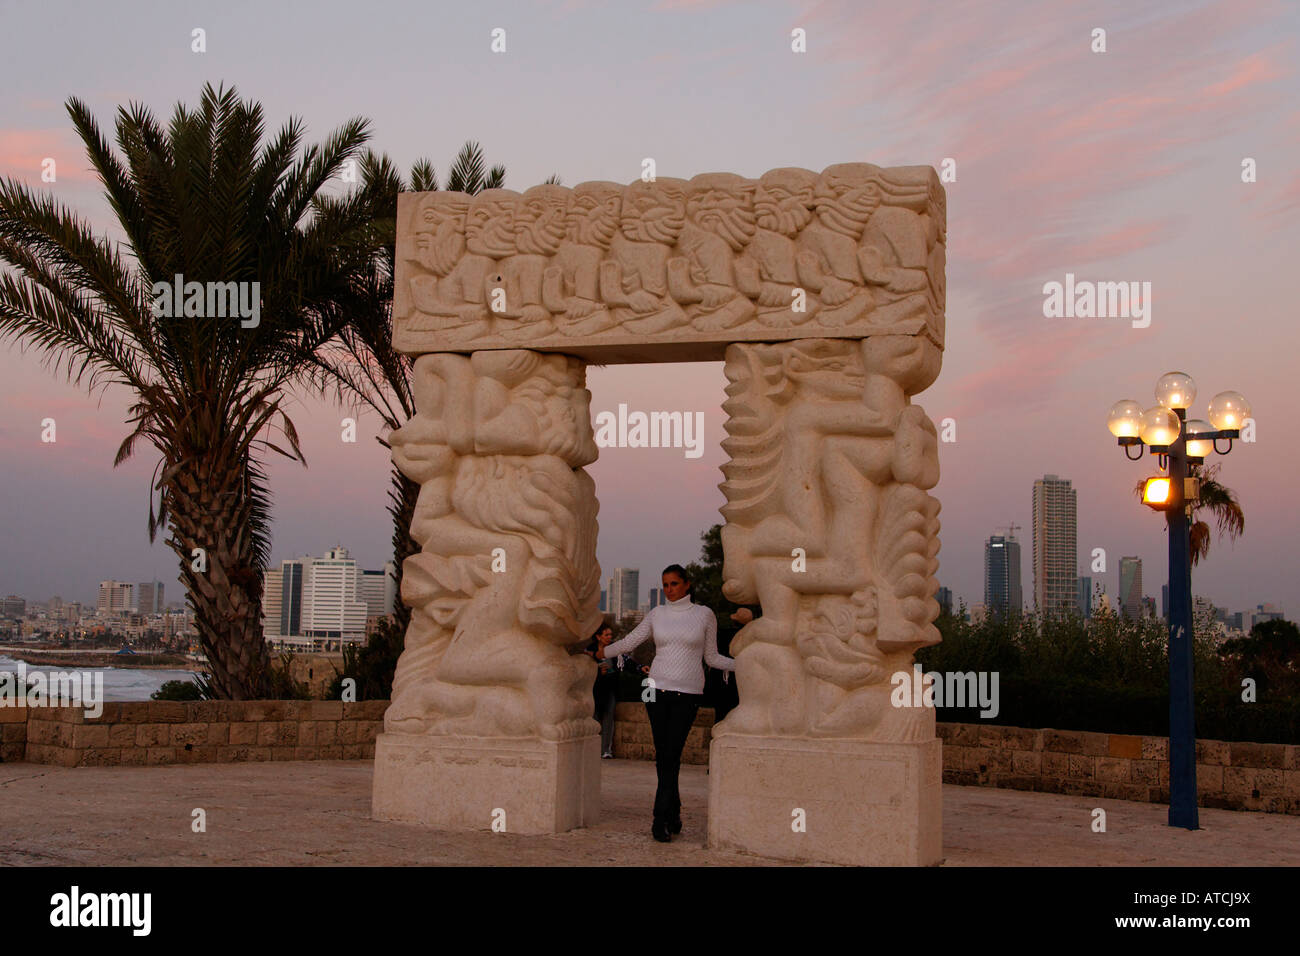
149 598
604 599
944 597
1083 599
378 589
323 603
1130 587
654 597
13 608
115 597
1149 607
624 589
1265 612
1055 526
1002 575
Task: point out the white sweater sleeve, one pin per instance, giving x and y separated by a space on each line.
636 638
711 655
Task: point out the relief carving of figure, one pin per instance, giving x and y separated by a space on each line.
827 250
571 285
897 245
719 224
507 582
634 279
449 293
767 271
829 457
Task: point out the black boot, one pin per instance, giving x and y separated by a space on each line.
659 830
675 826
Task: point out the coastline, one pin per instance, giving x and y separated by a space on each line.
72 658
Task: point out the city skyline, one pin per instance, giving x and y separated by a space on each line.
1067 162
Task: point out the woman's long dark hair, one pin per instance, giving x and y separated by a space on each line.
606 622
680 571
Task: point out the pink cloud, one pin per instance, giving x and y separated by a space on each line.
22 151
1254 69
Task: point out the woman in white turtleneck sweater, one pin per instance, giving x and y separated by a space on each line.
685 635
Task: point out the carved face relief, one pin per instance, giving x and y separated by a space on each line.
491 224
438 238
832 369
722 203
654 212
543 212
593 216
784 200
846 196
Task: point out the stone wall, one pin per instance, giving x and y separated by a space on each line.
317 671
633 740
166 732
1232 776
13 734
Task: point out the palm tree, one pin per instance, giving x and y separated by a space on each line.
1220 501
361 365
203 199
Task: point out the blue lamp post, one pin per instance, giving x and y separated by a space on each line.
1181 447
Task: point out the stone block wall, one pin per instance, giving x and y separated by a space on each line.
633 740
1230 776
167 732
13 734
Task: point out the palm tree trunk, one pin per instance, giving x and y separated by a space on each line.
210 510
402 497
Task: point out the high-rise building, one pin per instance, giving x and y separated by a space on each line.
1002 575
1149 607
944 597
1055 544
1130 587
272 602
13 607
115 597
149 597
654 597
604 599
1083 599
624 589
331 605
291 597
324 601
378 590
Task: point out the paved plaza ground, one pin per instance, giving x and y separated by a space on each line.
318 812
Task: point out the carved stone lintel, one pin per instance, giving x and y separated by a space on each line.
671 269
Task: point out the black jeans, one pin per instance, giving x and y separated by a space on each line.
671 716
606 694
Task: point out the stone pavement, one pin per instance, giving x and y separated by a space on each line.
317 812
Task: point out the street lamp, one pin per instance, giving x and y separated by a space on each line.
1182 447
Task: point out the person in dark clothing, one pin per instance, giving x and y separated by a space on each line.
721 688
605 690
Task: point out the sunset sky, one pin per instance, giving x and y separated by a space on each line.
1123 165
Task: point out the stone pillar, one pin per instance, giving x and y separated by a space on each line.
490 721
829 528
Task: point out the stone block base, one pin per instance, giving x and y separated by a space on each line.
531 786
864 803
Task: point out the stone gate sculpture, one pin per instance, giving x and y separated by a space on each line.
823 293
